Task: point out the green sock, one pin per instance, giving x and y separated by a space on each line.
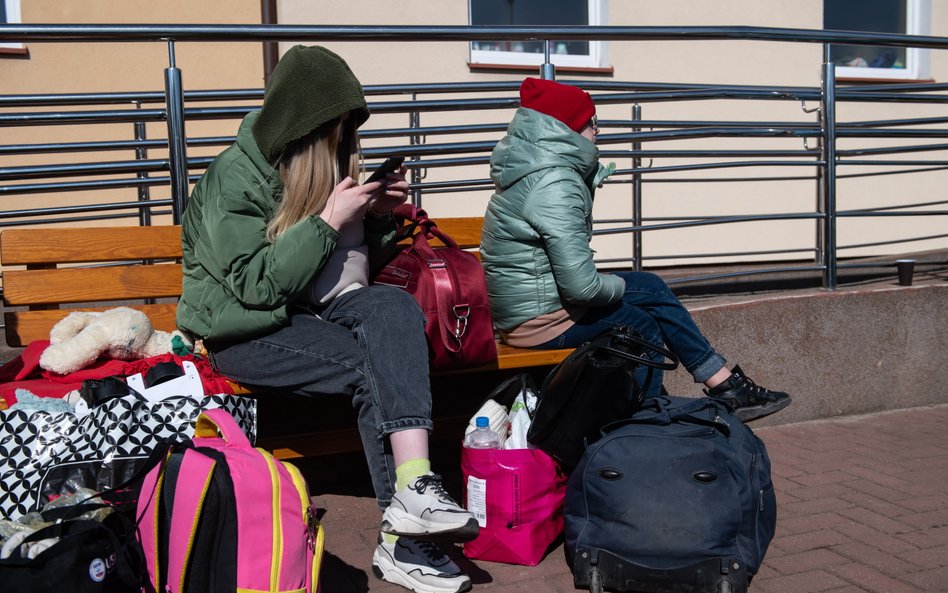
411 469
389 538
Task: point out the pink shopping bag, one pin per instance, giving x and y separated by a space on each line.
517 497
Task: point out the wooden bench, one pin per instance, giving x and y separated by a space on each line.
98 268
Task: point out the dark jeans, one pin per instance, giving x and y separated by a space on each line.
649 306
368 344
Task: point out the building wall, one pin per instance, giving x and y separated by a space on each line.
121 67
707 62
139 66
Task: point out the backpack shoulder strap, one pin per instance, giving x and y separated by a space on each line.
194 479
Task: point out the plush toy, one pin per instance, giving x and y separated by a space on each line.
122 333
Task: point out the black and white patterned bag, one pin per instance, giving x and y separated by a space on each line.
43 455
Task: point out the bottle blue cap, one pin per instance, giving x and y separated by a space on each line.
482 422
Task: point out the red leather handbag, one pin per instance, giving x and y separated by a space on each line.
449 285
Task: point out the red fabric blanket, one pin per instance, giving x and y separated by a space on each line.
24 372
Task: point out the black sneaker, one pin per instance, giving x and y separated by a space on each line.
418 565
748 400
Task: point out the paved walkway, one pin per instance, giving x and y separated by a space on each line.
862 504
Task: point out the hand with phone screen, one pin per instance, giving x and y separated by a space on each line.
394 188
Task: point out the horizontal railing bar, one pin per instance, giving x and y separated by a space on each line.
110 145
891 149
37 100
720 220
719 153
723 275
703 166
881 123
872 214
702 255
17 223
893 241
902 206
76 169
897 163
139 205
36 188
200 32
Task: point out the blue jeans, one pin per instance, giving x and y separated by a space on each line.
649 306
368 344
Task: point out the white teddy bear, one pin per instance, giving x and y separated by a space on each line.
123 333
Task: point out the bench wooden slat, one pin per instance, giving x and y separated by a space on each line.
88 244
80 285
466 231
23 327
514 358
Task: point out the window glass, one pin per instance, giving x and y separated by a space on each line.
9 13
877 16
530 12
539 13
911 17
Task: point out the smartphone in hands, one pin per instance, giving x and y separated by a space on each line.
390 165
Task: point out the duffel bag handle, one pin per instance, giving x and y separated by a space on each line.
218 423
624 334
663 416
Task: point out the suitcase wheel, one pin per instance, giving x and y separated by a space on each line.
595 581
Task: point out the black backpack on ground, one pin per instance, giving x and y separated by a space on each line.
676 499
594 386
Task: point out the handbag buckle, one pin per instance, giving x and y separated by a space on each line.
436 263
462 313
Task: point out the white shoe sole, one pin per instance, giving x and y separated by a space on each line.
397 521
385 569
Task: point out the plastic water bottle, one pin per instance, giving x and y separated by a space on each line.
483 437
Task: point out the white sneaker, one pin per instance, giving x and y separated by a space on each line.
424 510
418 565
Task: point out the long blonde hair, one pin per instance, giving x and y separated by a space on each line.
311 168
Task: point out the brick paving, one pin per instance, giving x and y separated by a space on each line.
862 507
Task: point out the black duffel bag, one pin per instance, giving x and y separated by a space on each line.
594 386
677 499
85 556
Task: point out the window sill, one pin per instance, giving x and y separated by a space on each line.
14 52
533 69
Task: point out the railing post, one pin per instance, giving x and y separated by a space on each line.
141 153
828 209
547 69
414 122
636 193
177 148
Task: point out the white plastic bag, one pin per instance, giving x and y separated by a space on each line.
521 412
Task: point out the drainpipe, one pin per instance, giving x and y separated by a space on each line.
271 49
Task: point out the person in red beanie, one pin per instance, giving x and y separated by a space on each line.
543 286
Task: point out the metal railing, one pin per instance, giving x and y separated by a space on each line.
634 139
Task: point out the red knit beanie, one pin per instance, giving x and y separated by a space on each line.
571 105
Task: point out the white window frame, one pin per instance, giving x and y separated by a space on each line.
597 58
917 60
13 17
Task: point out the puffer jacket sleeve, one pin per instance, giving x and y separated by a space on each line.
259 274
557 209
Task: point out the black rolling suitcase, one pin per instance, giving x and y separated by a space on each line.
677 499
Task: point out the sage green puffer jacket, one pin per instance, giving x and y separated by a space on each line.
537 228
236 283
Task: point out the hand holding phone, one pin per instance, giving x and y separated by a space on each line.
390 165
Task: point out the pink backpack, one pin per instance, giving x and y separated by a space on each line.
218 515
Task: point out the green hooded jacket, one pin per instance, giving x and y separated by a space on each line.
236 283
538 225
